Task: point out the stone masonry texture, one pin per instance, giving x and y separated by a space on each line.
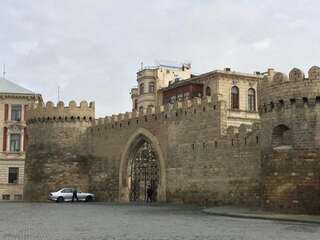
273 162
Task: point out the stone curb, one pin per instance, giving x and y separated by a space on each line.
256 216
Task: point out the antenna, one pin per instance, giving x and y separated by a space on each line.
58 93
4 71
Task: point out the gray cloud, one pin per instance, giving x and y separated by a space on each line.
93 48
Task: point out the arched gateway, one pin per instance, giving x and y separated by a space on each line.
142 164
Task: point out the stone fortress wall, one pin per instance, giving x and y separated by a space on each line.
290 111
190 139
273 162
54 155
193 140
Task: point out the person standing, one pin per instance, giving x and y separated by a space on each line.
149 193
75 194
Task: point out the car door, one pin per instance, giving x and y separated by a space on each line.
80 196
67 194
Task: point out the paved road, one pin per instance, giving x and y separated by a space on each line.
97 221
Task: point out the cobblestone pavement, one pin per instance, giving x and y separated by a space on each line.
100 221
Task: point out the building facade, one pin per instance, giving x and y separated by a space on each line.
248 139
13 129
237 90
151 79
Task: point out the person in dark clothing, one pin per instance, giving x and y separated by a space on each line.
149 193
74 195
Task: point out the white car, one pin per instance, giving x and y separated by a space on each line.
65 195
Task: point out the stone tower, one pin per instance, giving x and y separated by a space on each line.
290 120
54 152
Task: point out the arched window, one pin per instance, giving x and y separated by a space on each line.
151 87
252 99
136 104
208 91
140 109
235 97
141 88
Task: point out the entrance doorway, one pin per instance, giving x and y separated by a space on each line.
143 173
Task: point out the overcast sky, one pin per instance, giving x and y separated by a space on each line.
93 48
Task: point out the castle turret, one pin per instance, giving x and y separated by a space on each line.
290 117
53 158
151 79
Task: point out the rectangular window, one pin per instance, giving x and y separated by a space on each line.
151 87
25 139
13 175
5 132
6 111
172 99
15 140
17 197
251 103
5 197
16 112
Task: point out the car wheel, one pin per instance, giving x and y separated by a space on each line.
60 199
89 199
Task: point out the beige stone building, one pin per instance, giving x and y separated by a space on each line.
162 85
151 79
14 100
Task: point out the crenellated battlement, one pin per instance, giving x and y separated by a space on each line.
244 135
201 152
278 90
60 112
165 112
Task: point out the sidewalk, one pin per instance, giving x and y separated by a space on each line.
231 211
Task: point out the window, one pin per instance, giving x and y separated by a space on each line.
13 175
15 142
208 91
172 99
16 112
17 197
186 95
180 97
151 87
136 104
67 190
5 197
140 109
252 99
141 88
235 97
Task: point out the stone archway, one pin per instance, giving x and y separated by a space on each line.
140 137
